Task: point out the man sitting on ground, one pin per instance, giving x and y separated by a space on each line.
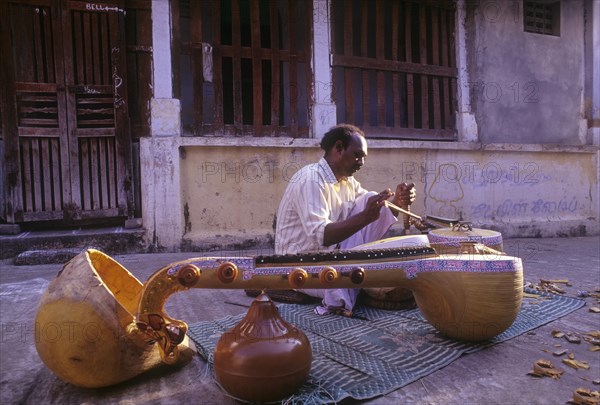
325 208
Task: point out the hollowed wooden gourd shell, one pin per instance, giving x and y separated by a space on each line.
84 327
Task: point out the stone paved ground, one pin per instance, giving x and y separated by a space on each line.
497 375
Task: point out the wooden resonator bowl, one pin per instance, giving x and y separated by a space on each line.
469 306
84 327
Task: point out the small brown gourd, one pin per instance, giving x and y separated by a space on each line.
263 358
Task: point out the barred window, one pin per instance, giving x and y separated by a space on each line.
243 67
542 17
394 68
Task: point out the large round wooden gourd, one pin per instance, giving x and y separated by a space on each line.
463 305
263 358
84 327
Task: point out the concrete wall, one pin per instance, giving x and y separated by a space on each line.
526 87
230 193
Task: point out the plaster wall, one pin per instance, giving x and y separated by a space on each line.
230 194
526 88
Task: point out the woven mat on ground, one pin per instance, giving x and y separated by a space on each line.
364 358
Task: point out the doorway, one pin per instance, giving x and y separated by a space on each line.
66 142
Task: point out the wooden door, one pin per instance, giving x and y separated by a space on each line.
66 132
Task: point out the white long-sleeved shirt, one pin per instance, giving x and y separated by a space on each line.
313 199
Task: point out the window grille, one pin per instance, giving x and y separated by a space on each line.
541 17
394 67
243 66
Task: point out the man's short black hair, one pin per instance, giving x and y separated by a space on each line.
341 132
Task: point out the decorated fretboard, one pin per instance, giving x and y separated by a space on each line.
346 255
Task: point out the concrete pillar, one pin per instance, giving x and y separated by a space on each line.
594 129
323 109
161 193
466 125
161 44
162 210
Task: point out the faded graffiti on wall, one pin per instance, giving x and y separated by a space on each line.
492 191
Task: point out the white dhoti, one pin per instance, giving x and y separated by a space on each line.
345 298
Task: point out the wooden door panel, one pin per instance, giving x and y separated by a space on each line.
67 138
93 80
42 185
98 174
37 109
37 93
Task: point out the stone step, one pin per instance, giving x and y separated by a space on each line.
58 244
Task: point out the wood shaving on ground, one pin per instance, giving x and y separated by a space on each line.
593 338
576 364
565 282
572 338
594 293
547 286
583 396
559 353
545 368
